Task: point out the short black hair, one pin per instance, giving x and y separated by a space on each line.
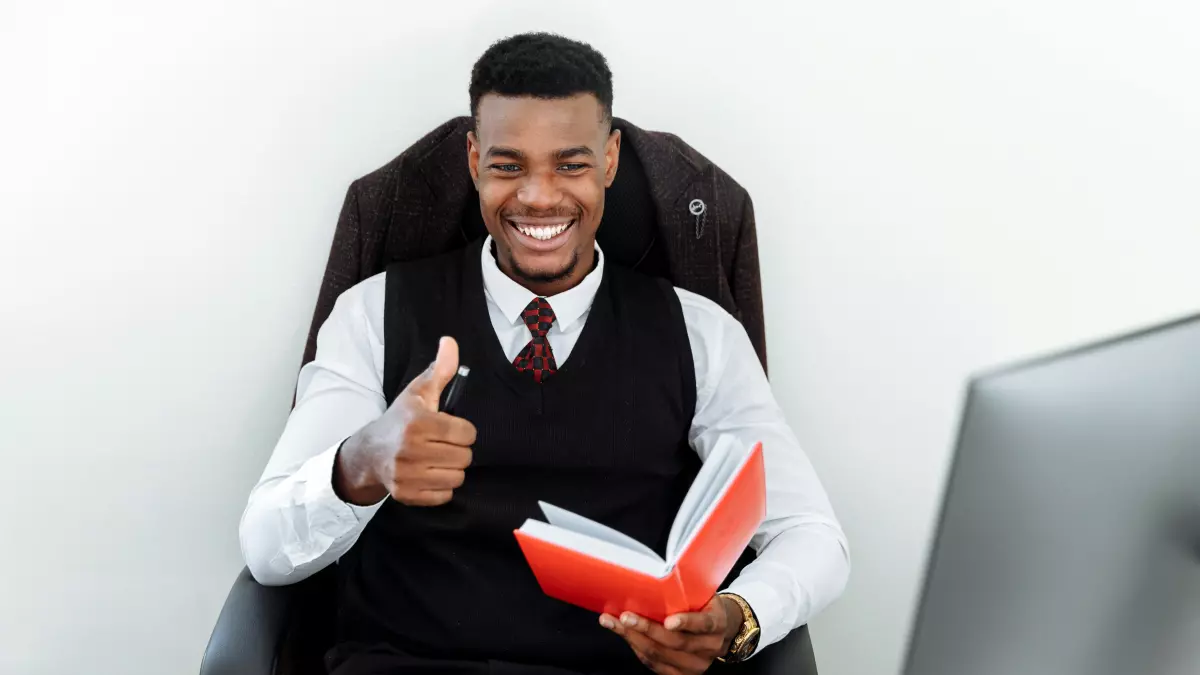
541 65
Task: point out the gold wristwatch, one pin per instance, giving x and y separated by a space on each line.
746 641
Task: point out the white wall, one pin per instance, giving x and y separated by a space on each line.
940 186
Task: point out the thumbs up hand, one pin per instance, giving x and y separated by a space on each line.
412 452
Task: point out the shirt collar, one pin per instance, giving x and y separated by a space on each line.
512 298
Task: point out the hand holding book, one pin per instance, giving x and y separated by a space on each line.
684 643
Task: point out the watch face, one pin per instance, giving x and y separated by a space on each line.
747 648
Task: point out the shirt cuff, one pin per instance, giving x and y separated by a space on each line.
768 610
317 476
318 517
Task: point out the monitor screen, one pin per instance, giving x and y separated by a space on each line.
1069 538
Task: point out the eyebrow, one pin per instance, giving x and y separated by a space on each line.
513 153
574 152
501 151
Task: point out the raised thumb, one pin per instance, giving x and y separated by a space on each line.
429 384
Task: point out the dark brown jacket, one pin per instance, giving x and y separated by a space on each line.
423 203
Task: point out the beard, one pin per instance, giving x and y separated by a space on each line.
544 276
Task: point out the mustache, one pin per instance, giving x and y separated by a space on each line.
563 212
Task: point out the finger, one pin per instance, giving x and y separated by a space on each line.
429 384
663 659
696 622
451 429
637 643
439 427
655 666
613 624
440 479
437 456
703 644
655 631
425 497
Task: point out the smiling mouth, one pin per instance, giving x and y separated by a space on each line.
542 232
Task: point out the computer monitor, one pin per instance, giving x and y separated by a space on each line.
1069 539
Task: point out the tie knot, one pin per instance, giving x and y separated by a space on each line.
538 316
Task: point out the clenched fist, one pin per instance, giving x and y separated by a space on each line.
412 452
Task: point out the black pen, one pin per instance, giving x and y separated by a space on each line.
454 389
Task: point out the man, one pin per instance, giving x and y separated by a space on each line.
592 387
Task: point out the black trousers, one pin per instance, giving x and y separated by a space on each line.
384 659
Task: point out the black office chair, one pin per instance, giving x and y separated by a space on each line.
286 630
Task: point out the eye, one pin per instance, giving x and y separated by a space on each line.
573 167
506 168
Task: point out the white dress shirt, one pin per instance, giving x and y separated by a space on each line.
295 524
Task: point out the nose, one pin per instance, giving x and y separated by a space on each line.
540 193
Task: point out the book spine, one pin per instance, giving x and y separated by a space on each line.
675 594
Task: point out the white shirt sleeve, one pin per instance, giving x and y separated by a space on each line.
294 523
803 559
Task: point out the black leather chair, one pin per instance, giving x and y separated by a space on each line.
286 630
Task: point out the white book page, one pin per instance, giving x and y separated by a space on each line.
695 502
586 526
637 561
730 463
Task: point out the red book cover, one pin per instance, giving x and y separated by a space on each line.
587 564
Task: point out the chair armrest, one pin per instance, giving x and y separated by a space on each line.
793 655
250 629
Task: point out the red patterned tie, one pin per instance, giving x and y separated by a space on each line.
536 357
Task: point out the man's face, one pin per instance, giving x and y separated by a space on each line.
541 166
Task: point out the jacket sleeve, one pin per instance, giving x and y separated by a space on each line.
343 268
746 283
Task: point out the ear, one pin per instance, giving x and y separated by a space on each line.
612 156
473 157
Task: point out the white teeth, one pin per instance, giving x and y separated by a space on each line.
544 233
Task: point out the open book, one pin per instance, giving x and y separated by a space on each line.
582 562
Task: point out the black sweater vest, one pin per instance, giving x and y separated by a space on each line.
605 437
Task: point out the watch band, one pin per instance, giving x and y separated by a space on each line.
750 629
